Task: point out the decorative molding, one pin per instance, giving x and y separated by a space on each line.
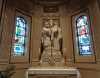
4 61
50 2
98 3
51 9
98 60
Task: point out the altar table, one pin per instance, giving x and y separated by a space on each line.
52 71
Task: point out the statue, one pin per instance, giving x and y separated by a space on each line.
51 42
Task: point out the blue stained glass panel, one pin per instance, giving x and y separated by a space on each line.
85 50
20 37
18 48
20 31
82 21
20 22
84 40
83 36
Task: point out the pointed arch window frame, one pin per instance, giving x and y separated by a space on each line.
25 57
77 56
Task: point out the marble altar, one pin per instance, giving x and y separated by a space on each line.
52 71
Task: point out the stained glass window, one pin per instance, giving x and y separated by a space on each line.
20 37
84 39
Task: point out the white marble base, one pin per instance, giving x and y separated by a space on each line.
53 71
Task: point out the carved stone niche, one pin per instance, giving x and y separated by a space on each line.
51 42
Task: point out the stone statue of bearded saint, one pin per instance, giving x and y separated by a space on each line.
51 39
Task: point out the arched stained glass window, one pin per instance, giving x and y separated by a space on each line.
20 37
84 40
